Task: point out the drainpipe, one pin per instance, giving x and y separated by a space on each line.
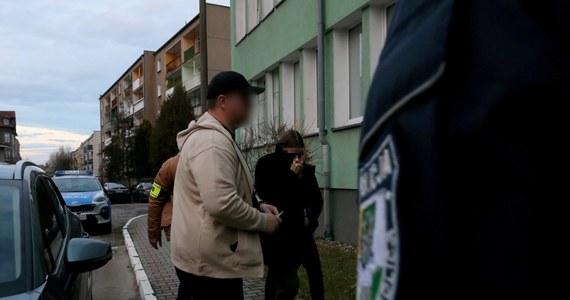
322 116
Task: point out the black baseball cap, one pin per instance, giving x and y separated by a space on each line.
230 81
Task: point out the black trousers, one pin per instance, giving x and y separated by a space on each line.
194 287
312 263
282 282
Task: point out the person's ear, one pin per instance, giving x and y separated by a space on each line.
222 101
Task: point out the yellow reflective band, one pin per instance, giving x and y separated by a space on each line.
155 190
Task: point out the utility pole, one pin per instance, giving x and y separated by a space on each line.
203 57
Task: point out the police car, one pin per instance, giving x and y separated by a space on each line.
84 195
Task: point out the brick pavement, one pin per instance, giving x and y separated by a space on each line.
160 270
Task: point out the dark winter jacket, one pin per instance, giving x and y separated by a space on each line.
462 144
297 197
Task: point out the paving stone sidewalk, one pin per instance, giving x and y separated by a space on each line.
160 270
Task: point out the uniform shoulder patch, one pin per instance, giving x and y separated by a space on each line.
379 239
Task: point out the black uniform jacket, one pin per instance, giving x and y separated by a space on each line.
464 136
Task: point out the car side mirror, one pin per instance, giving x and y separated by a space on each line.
84 255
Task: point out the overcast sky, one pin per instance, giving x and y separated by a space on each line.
58 56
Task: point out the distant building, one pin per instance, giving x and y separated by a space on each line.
88 155
142 89
274 45
9 144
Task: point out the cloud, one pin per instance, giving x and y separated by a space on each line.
38 143
58 56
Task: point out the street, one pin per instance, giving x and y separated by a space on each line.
116 279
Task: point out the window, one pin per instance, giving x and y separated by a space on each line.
390 13
356 98
266 8
261 103
240 20
13 277
194 97
6 121
7 137
158 66
309 95
276 97
297 101
50 213
252 14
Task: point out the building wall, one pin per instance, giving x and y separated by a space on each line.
219 50
88 155
9 144
284 37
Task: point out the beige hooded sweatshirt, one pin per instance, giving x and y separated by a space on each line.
214 226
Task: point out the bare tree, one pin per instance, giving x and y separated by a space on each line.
260 139
62 159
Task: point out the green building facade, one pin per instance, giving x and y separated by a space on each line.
274 45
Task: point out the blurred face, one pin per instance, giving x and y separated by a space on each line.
237 106
297 154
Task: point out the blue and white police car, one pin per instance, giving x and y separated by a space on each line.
84 196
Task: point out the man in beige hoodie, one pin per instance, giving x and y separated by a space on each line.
215 241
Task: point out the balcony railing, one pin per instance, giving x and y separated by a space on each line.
192 51
169 92
173 65
138 106
192 82
138 83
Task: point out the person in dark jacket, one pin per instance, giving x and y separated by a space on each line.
461 151
284 180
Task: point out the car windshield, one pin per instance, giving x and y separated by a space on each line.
75 184
12 279
112 185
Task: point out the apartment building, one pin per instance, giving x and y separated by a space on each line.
274 45
132 95
9 144
143 88
88 155
178 60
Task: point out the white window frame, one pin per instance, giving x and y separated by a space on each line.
266 9
276 88
158 65
298 114
240 20
355 120
309 79
287 94
7 137
252 15
378 31
6 121
341 91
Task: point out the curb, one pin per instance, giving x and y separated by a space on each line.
145 289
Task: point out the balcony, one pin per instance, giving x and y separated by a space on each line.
173 65
192 82
138 83
138 106
107 126
192 51
191 73
169 92
107 142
